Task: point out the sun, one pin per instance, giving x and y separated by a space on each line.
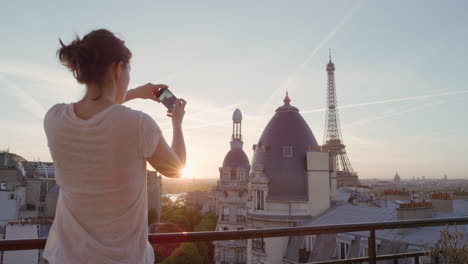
186 173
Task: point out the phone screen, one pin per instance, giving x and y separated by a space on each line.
167 98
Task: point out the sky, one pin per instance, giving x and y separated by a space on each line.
400 74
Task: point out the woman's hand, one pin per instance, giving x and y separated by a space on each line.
178 112
146 91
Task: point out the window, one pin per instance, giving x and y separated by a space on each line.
225 215
364 251
233 176
12 196
240 256
240 228
308 243
287 151
240 176
240 215
225 228
226 175
259 200
258 244
304 252
343 249
303 255
224 256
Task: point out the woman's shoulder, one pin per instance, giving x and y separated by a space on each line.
55 109
123 110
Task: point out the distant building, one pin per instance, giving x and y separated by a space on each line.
51 201
231 197
154 182
197 200
396 178
12 187
10 171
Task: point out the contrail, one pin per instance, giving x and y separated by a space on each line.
221 124
26 101
442 132
403 99
290 78
39 73
384 116
173 75
330 35
212 110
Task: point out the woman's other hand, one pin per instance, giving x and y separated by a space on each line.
178 112
146 91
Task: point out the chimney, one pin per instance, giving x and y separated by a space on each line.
460 195
395 194
415 210
442 202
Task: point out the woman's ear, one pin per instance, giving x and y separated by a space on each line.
117 69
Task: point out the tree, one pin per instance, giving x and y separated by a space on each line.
187 253
452 247
162 251
206 248
178 213
152 216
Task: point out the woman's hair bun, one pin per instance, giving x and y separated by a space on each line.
89 58
78 58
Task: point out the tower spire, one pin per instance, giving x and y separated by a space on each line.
329 55
286 100
236 139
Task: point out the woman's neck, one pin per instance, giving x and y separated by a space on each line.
107 94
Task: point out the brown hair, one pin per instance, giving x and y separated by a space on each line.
89 58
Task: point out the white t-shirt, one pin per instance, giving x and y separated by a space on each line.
100 166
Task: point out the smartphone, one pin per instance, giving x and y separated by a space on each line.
166 97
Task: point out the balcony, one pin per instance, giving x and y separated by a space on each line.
25 244
240 218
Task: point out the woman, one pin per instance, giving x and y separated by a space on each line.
100 149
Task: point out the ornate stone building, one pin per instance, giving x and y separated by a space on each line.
290 181
231 196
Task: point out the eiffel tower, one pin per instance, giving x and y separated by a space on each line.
333 141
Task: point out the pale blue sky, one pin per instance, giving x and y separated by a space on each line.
400 73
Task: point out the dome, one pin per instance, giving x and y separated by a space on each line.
10 160
287 175
237 116
236 158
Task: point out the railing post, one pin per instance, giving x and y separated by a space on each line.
371 246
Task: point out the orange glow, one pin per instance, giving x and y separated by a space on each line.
186 172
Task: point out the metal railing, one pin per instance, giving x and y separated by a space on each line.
24 244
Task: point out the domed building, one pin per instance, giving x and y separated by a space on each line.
231 196
290 181
396 178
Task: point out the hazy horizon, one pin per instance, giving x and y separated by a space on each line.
400 74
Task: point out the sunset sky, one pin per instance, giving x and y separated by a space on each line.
401 73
